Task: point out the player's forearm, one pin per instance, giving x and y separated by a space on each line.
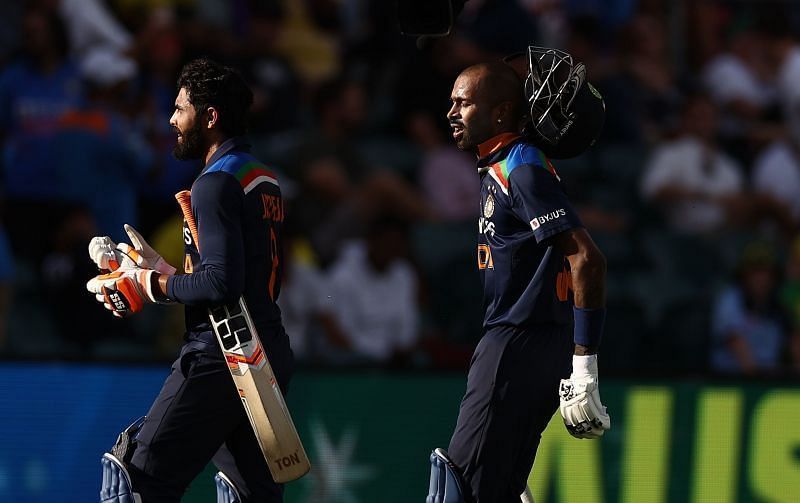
589 280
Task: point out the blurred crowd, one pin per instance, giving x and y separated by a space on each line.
692 192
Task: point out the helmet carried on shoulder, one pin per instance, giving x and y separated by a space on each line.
566 111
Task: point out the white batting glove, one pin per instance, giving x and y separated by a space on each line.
151 257
103 252
584 414
109 256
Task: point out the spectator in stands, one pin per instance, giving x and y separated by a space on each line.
92 26
447 175
371 309
790 299
340 191
776 173
302 293
162 53
749 329
35 92
783 54
63 272
697 185
737 80
102 158
650 76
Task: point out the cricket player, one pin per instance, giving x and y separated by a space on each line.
543 277
198 415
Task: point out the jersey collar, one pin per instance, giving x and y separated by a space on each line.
235 143
488 149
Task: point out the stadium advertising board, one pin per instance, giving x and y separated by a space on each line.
369 435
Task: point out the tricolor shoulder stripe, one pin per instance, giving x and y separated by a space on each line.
519 155
546 164
252 174
499 171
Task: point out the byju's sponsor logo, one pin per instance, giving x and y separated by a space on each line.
539 221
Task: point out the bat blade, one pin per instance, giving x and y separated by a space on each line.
255 381
259 391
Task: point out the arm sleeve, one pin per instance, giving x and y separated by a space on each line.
539 199
217 201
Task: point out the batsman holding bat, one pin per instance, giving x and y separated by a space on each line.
543 276
237 212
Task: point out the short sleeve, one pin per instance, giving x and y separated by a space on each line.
539 199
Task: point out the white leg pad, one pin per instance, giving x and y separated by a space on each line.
526 496
445 486
117 486
226 491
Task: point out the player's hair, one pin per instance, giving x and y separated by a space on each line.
209 84
501 83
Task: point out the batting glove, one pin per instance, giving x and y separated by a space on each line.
584 414
126 290
109 256
103 252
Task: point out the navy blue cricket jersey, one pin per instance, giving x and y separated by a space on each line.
523 203
237 205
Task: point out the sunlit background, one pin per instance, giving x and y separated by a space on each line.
692 192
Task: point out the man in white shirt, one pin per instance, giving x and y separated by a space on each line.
690 177
371 302
776 173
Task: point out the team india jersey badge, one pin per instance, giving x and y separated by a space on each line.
488 207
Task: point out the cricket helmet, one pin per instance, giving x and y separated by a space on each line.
566 111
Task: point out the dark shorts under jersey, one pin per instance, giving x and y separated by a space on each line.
512 393
198 416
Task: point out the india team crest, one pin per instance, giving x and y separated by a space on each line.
488 207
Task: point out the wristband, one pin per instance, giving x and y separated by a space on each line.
584 365
588 326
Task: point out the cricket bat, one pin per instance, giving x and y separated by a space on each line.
252 374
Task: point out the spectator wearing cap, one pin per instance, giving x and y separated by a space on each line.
749 326
102 157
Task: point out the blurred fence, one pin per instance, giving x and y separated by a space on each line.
370 434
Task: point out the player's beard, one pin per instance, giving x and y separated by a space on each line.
193 146
473 134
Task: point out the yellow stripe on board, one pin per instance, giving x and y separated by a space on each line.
717 443
576 464
647 445
774 457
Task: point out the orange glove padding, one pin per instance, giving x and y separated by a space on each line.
126 290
